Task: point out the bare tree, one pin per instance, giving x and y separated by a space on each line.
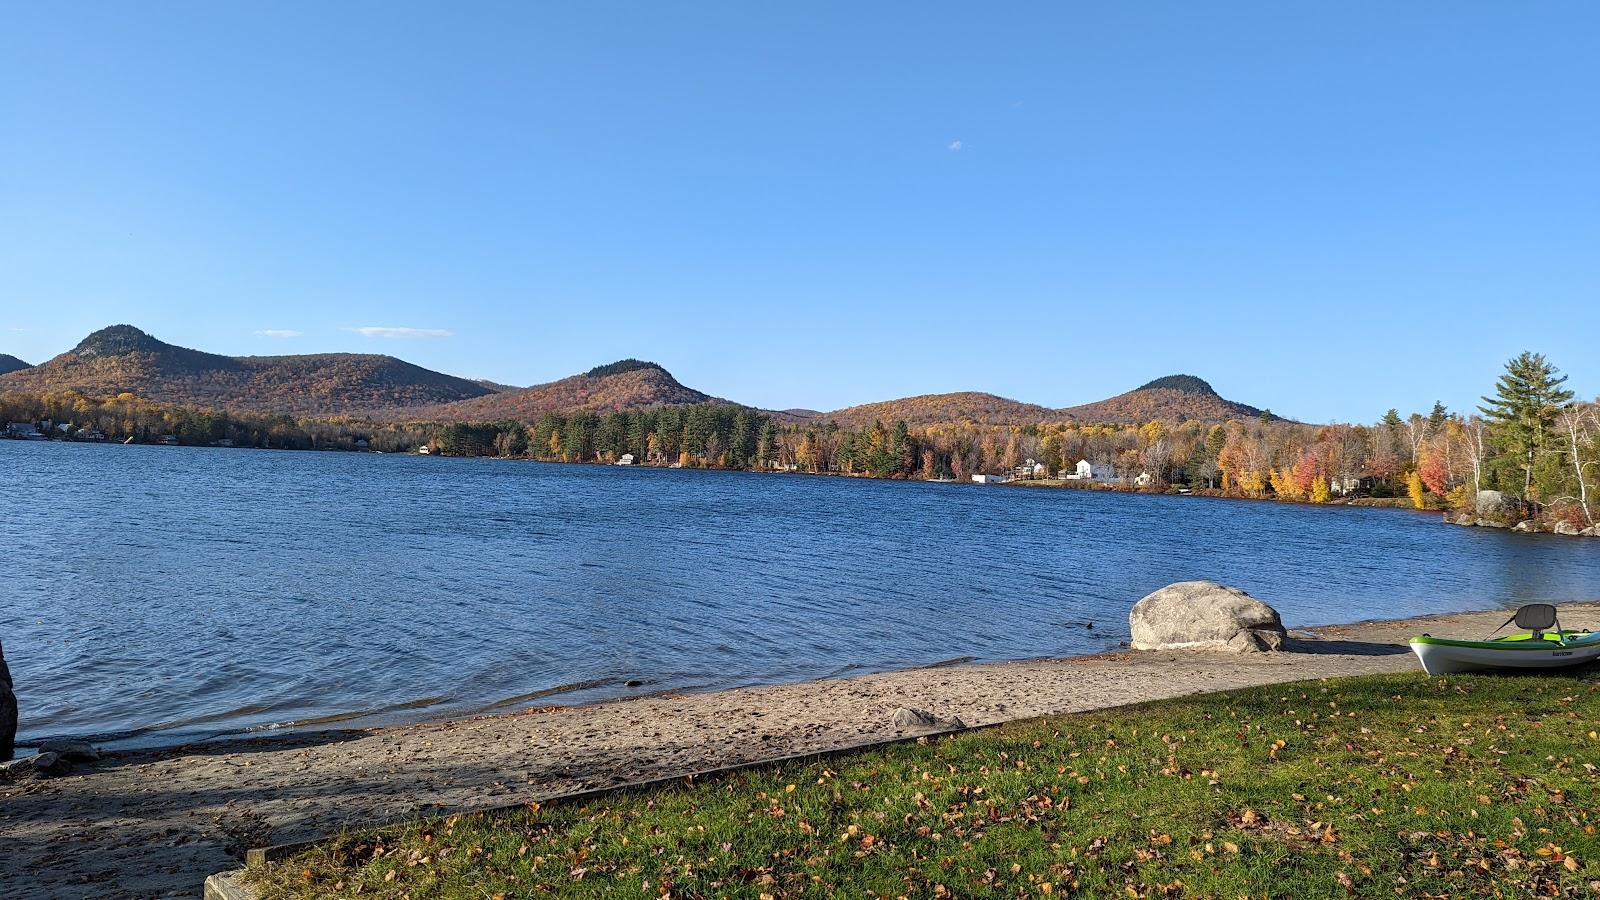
1475 440
1157 458
1416 435
1575 424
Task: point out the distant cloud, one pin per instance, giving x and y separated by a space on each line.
955 146
385 331
279 332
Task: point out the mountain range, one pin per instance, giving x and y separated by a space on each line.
123 358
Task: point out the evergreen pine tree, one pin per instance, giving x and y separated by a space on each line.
1527 398
1437 418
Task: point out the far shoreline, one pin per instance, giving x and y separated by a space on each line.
1391 503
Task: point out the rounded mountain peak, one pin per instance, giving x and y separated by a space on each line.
1183 384
623 366
118 340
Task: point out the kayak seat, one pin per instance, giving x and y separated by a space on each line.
1537 618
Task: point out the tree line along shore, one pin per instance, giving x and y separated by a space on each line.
1528 456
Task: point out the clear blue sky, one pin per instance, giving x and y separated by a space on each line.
1326 212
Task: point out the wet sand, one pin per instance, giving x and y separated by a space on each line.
156 823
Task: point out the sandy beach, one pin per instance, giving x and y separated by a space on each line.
156 823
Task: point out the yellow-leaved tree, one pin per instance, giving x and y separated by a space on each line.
1284 485
1319 490
1414 488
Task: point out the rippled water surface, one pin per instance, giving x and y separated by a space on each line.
159 594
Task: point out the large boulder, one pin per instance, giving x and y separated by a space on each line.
1204 614
8 712
1498 509
1494 503
1565 527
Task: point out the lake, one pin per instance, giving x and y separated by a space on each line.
155 595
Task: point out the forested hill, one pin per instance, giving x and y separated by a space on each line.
937 409
1176 398
629 384
123 358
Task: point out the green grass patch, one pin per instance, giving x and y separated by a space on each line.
1469 786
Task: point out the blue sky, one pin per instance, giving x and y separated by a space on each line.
1328 212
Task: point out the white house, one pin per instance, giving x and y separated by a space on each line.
988 479
1029 469
1144 479
625 460
1086 471
1344 484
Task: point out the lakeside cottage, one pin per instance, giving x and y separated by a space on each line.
1029 470
988 479
23 430
1087 471
1343 485
625 460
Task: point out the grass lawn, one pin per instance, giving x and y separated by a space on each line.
1468 786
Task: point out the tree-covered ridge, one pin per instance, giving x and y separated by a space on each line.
1187 384
127 418
121 340
623 365
931 409
123 359
714 435
647 386
1174 398
9 363
1166 404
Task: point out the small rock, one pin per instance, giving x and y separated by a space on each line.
906 717
909 717
1525 526
633 682
71 750
37 764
